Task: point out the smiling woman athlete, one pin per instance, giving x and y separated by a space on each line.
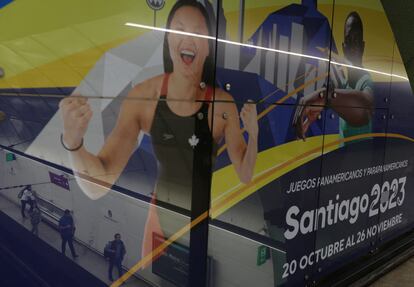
175 108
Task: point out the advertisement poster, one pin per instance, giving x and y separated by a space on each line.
288 121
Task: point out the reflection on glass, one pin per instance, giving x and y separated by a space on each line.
176 110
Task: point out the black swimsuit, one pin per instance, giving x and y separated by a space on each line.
183 146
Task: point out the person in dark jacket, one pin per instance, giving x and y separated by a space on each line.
117 253
35 218
67 230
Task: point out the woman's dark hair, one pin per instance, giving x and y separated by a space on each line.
208 70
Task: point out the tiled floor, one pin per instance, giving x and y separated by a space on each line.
88 259
402 276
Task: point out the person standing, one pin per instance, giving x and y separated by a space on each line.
117 253
67 230
35 218
27 197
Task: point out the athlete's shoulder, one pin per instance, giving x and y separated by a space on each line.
224 102
148 89
141 101
221 95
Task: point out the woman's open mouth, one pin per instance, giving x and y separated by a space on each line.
187 56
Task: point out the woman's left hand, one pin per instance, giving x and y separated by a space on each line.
248 115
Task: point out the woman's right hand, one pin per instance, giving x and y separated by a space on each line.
76 114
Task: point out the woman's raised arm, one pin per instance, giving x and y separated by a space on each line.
97 173
242 155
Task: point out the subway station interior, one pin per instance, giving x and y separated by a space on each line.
206 143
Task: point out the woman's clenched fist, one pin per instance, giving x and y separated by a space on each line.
76 114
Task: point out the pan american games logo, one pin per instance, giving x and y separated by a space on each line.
156 4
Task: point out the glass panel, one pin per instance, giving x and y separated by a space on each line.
236 260
272 53
359 100
147 146
283 180
347 213
365 44
397 215
284 43
97 222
